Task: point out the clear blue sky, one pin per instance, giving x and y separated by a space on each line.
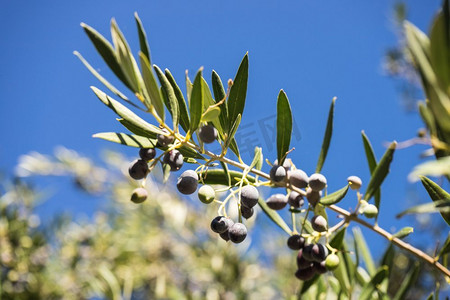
314 50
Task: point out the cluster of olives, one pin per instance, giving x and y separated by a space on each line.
228 230
311 258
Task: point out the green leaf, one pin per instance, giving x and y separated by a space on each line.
219 94
407 282
372 286
436 193
326 138
208 106
442 206
226 173
184 117
238 92
143 39
169 93
218 176
446 247
258 158
335 197
166 172
404 232
102 79
137 130
125 113
362 247
284 126
307 284
189 87
342 275
319 210
130 140
338 239
274 216
233 130
362 276
428 118
152 94
125 58
234 147
380 172
440 49
107 52
196 104
211 114
372 161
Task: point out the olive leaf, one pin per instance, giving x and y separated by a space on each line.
169 94
184 116
335 197
130 140
238 93
145 49
284 126
196 103
326 138
152 94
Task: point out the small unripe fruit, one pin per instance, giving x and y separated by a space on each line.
165 140
277 173
138 169
370 211
319 223
174 159
147 153
277 201
206 194
319 252
207 134
249 196
224 236
305 274
313 196
246 212
221 224
296 242
237 233
319 267
298 178
187 182
295 199
332 262
139 195
302 262
317 182
355 182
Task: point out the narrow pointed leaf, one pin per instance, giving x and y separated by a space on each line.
335 197
233 130
372 161
326 138
166 172
143 39
106 50
196 104
441 206
125 57
101 78
130 140
380 172
274 216
238 93
208 102
169 94
438 167
218 176
436 193
234 147
404 232
184 116
446 247
407 282
219 94
284 126
226 173
364 250
189 87
125 113
338 239
372 286
258 158
151 86
138 130
440 49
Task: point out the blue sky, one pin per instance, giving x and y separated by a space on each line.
314 50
